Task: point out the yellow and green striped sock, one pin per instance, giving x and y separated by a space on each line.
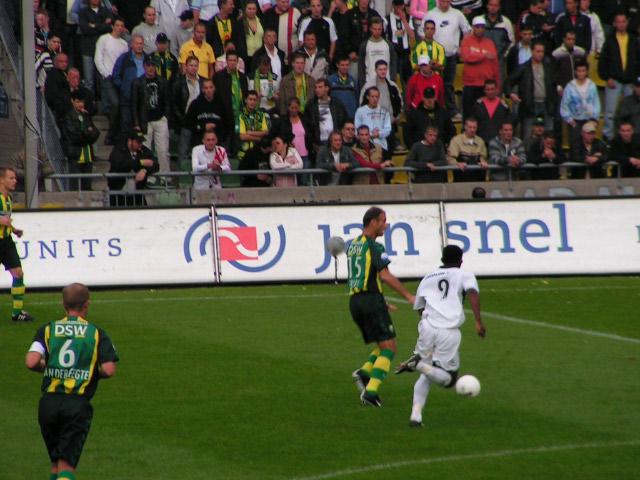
380 369
17 291
368 365
66 475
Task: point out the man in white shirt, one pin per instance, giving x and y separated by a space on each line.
108 48
439 299
449 24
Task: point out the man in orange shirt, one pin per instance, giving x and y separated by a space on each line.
480 64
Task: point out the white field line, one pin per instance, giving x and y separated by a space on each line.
318 295
592 333
497 316
473 456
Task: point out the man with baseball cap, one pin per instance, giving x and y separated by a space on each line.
588 150
428 113
132 157
423 78
167 65
480 64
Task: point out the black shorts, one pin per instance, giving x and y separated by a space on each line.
64 421
371 314
9 254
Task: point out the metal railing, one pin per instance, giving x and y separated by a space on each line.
165 187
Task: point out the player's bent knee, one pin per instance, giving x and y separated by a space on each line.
454 378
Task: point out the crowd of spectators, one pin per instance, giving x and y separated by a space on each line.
292 84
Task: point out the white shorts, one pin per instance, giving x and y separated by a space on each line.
439 345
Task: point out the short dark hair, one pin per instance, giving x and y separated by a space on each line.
506 122
381 62
323 81
451 255
298 55
478 192
308 31
581 63
570 30
490 81
372 214
430 21
537 42
264 60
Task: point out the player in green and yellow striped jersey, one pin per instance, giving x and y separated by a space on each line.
72 354
368 262
8 252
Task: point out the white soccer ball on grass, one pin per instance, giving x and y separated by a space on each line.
336 246
468 386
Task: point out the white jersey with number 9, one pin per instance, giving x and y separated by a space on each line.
440 294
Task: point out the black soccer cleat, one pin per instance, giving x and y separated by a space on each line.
360 379
409 365
370 399
415 424
23 316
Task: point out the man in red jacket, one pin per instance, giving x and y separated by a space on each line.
480 64
422 79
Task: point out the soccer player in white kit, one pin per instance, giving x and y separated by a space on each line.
439 298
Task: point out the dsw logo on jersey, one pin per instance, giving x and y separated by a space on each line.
238 244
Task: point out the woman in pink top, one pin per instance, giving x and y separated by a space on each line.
284 157
299 133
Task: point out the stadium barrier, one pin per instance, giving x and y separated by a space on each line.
162 178
162 246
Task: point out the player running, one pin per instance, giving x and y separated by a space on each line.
439 299
368 264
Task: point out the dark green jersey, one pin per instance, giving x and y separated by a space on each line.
366 259
74 349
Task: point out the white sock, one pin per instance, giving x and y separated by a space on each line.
435 374
420 392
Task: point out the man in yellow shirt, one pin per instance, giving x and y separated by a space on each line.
197 47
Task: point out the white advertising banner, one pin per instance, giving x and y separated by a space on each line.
174 246
547 237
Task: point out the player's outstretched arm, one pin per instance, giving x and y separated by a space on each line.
388 278
474 301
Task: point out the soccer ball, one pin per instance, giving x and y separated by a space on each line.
468 386
336 246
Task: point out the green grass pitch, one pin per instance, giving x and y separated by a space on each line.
254 383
